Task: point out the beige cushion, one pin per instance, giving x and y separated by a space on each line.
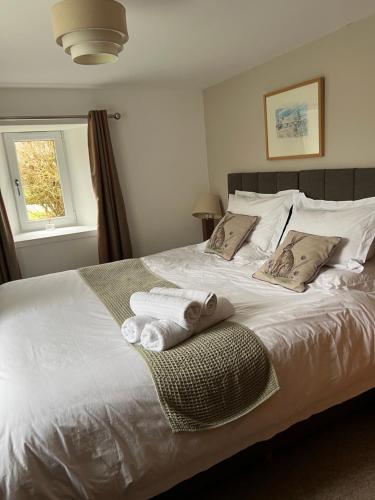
230 234
298 260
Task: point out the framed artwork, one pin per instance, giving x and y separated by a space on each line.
294 121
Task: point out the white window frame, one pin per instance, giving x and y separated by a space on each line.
69 219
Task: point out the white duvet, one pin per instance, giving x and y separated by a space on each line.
79 415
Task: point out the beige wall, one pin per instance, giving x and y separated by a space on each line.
234 108
160 150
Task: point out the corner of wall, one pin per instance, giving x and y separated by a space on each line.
6 187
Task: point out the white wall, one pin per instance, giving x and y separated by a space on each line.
159 146
55 256
7 189
75 141
234 108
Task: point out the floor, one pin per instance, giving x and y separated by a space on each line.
337 463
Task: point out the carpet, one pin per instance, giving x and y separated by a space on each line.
335 463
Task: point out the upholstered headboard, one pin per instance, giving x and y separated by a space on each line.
334 184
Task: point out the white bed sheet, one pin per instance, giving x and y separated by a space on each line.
79 415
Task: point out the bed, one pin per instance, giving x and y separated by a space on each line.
79 414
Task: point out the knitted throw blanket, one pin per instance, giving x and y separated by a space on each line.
209 380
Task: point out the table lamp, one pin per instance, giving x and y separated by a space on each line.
208 209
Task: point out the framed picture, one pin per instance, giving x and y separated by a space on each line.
294 121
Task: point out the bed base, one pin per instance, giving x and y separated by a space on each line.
264 450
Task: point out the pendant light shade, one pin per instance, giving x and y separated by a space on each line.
91 31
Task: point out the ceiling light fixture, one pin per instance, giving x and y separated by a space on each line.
91 31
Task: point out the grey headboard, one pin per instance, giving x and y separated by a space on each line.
334 184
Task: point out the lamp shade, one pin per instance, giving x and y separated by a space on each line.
208 207
91 31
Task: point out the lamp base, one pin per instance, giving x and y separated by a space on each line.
208 226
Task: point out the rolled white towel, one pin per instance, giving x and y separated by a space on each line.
132 328
223 311
208 300
182 311
164 334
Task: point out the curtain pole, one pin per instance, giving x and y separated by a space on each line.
116 116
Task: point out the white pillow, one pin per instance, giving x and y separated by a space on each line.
331 278
272 210
353 221
251 194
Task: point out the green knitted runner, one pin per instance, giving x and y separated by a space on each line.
207 381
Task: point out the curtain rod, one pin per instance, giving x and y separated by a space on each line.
116 116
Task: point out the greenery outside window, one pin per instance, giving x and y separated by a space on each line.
38 169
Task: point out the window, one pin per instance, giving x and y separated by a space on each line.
40 178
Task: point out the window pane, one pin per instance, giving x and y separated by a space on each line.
40 179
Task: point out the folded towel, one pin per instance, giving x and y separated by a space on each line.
182 311
207 300
164 334
132 328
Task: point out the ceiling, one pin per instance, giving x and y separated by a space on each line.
194 43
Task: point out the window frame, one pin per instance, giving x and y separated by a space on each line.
70 218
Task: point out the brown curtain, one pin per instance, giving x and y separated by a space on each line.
9 269
113 231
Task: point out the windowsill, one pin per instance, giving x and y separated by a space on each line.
59 234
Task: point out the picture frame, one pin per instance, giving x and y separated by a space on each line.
294 121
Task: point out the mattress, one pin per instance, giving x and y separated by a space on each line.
79 414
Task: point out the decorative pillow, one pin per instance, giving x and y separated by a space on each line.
229 234
298 260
